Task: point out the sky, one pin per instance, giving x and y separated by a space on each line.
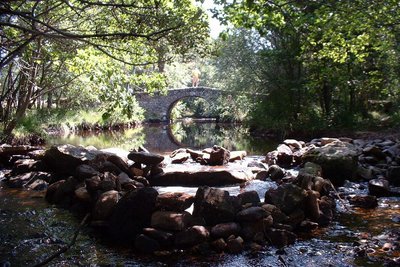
215 26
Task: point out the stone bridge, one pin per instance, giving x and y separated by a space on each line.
158 106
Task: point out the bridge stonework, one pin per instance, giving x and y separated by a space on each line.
158 107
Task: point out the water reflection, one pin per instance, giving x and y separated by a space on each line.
164 138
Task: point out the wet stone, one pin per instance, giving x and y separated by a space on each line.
365 201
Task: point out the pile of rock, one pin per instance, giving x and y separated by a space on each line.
376 161
215 156
219 221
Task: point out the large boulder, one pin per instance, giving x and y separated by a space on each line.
64 159
201 175
219 156
287 197
132 214
338 160
214 205
145 158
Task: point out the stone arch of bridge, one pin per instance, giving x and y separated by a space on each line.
171 106
158 106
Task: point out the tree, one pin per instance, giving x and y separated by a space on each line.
330 56
128 32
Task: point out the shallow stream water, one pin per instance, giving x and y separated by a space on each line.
31 229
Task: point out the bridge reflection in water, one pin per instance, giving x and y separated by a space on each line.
164 138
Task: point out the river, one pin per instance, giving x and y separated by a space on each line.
31 229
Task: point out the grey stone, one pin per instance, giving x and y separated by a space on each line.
192 236
145 158
170 220
214 205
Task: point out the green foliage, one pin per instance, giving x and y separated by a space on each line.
320 61
90 53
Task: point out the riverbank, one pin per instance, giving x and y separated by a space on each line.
369 156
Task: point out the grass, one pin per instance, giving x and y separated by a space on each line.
42 121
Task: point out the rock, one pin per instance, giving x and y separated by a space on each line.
174 201
374 151
132 213
200 177
194 154
338 160
256 164
285 155
27 165
180 158
146 244
170 220
219 245
365 173
393 175
219 156
293 143
312 169
365 201
261 175
26 179
267 222
250 229
235 245
214 205
281 238
327 206
82 195
277 215
224 230
108 166
64 193
327 140
52 189
294 219
123 178
312 207
249 197
271 158
164 238
121 163
237 155
65 159
286 197
307 226
155 170
275 172
251 214
93 184
84 171
105 205
145 158
8 150
109 182
379 187
192 236
38 185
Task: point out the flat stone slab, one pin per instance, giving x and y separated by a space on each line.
199 175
